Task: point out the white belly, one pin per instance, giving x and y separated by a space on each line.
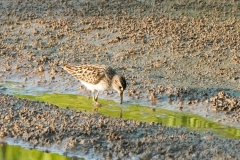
101 86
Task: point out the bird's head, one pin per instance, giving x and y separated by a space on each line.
119 84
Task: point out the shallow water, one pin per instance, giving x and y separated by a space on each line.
11 152
137 112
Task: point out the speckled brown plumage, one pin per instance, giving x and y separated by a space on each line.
90 73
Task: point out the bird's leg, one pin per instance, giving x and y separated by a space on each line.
96 97
93 95
96 103
120 115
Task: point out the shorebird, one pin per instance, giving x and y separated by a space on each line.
98 77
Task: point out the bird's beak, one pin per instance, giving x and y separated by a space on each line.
121 96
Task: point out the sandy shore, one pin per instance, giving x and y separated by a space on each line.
180 51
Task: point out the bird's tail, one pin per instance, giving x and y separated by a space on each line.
70 69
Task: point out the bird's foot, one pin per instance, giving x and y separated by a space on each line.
95 109
96 104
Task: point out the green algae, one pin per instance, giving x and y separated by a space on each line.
11 152
139 113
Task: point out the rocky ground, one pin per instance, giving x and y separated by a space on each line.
187 51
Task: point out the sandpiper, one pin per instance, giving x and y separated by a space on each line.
98 77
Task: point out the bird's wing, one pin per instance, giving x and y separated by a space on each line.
87 73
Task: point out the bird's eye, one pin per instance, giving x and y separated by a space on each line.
120 87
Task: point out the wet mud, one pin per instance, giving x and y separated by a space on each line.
183 52
43 124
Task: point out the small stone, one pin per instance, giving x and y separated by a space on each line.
40 69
